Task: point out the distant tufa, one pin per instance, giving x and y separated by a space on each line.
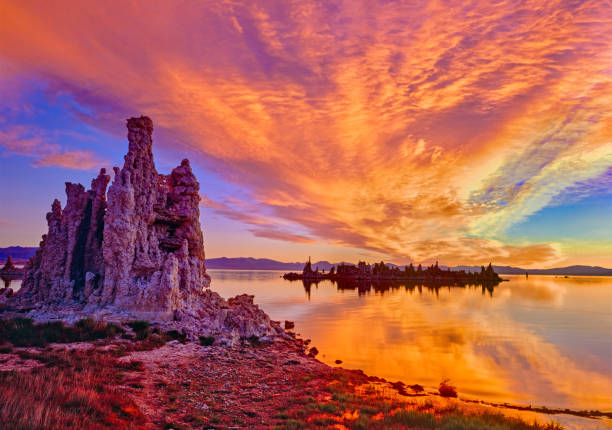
9 270
8 266
138 253
383 272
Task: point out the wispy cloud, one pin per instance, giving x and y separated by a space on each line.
273 232
264 227
22 141
412 130
77 159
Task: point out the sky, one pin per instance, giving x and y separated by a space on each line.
464 132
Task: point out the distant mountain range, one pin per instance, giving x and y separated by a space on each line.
570 270
250 263
17 252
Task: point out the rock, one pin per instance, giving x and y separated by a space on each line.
313 352
136 253
289 325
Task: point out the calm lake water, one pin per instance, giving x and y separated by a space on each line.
539 341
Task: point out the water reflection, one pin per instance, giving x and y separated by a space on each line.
13 282
364 287
540 341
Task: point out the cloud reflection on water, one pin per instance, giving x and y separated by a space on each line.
515 345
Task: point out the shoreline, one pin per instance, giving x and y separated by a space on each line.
273 384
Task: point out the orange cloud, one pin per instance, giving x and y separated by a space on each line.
412 130
77 159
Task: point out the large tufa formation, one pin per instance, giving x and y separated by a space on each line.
141 247
137 254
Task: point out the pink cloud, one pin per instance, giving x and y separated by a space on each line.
264 227
398 128
77 159
18 140
32 143
273 232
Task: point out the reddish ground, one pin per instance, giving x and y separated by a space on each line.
189 385
150 385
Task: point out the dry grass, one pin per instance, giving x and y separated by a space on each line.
76 389
25 332
346 407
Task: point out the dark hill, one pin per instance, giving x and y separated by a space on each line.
250 263
17 252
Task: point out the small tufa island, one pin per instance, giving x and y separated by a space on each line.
381 272
8 273
9 268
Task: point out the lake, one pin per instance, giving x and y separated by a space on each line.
544 340
537 341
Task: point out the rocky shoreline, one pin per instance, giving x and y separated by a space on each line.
154 382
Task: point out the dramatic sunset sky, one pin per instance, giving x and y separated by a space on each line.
464 131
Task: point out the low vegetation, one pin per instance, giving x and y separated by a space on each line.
73 389
207 340
141 328
374 409
447 390
23 332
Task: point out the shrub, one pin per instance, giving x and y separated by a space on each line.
447 390
91 330
139 325
253 340
207 340
176 335
141 328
